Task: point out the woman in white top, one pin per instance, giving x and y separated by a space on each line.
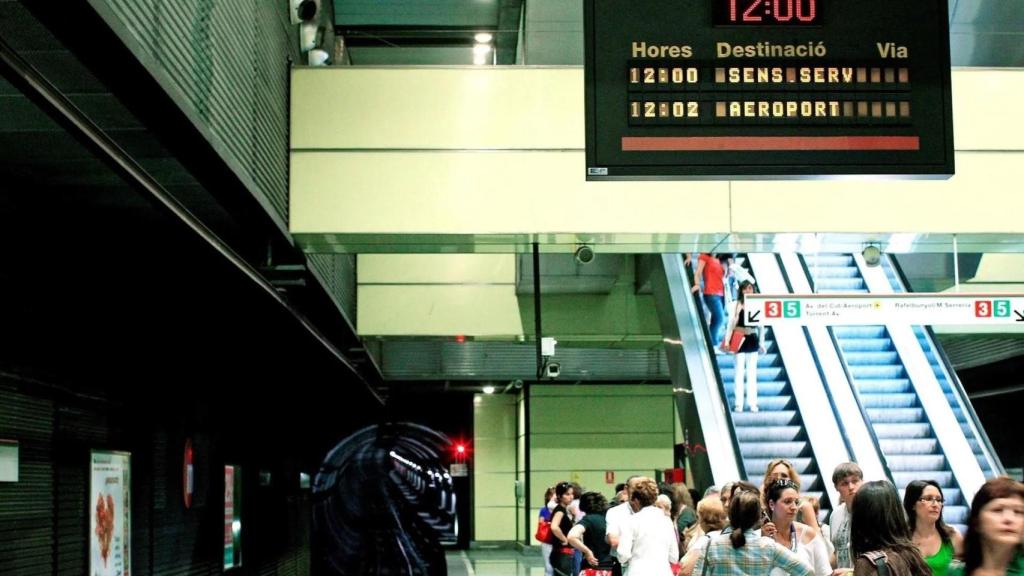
783 498
648 542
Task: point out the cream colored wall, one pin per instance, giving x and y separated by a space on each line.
578 432
494 467
437 295
493 153
524 533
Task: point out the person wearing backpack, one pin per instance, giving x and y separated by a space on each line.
879 534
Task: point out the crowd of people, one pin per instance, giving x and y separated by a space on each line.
741 529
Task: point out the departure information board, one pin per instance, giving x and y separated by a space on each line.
680 89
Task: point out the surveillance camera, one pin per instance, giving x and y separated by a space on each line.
872 255
552 370
517 384
317 57
304 10
584 254
308 36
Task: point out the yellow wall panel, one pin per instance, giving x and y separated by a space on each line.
456 108
581 432
501 154
566 453
987 111
494 489
983 197
438 310
494 416
618 415
493 465
436 269
497 192
494 454
1000 268
495 524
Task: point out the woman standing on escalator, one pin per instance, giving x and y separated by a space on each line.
749 342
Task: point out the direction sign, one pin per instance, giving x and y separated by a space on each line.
874 309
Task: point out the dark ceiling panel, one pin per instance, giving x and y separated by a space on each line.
426 13
19 114
984 32
66 71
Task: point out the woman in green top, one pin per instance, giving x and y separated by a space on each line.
937 542
995 529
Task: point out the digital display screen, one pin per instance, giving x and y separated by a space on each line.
766 12
679 89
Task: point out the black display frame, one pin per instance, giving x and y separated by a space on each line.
612 26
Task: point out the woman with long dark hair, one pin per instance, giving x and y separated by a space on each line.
939 543
561 522
742 552
995 529
879 533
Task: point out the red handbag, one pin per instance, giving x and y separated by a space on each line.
736 340
543 530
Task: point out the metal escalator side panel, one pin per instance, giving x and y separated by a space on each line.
691 366
852 422
819 421
938 412
976 431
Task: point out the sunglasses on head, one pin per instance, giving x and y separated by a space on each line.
783 483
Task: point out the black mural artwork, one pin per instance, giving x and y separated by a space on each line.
383 502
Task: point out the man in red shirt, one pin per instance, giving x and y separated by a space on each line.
711 271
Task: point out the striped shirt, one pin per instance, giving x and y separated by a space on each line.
756 558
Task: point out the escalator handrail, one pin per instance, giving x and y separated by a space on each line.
817 359
860 406
955 385
849 378
699 309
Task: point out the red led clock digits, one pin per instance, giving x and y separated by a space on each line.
776 11
811 9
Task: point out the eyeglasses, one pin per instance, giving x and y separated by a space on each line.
932 499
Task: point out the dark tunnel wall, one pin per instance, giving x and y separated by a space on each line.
120 330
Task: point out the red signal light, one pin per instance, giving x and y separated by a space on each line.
460 338
460 448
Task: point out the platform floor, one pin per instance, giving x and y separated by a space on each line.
495 563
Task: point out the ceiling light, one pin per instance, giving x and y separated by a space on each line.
481 49
488 389
483 37
479 59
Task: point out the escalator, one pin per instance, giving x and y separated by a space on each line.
776 430
918 422
944 373
884 396
704 381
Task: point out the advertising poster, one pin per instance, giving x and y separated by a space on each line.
109 509
229 516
